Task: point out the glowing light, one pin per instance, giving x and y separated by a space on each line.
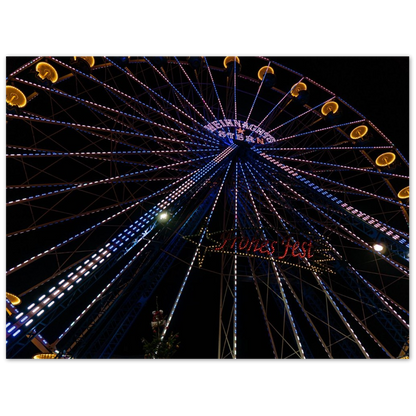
386 159
89 59
378 247
44 356
263 70
297 88
329 107
230 59
404 193
15 97
47 71
359 132
164 217
14 300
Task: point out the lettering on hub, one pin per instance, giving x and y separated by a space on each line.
240 131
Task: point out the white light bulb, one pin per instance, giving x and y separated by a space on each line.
378 247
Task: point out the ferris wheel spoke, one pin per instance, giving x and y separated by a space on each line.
365 288
257 94
278 200
68 218
142 223
273 210
380 295
202 236
278 277
348 209
102 293
306 313
94 106
215 87
154 93
235 89
76 126
196 90
205 105
277 109
177 193
103 181
179 94
109 156
332 301
345 189
361 324
310 149
83 186
103 139
304 114
70 239
342 230
336 167
23 67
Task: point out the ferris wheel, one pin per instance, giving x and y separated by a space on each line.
268 216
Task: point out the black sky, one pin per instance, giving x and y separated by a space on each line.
378 87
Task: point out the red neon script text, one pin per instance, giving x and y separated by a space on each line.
268 247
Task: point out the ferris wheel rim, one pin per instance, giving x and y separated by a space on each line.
273 158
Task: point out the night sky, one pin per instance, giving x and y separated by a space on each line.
378 87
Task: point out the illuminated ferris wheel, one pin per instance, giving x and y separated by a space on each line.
268 215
